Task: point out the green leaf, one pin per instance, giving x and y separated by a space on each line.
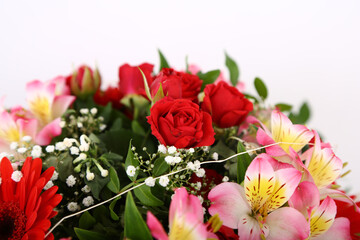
88 235
248 96
160 167
113 215
163 62
233 69
208 77
159 94
146 85
283 107
222 149
137 128
114 183
243 162
130 160
261 88
135 227
98 183
65 166
145 196
86 221
304 113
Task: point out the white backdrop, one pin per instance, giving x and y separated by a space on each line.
303 50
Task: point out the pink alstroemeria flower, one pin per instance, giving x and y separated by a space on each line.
185 219
13 129
285 133
255 209
320 217
47 107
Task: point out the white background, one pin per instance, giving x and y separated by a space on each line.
303 50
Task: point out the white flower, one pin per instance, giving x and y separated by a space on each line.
14 145
150 181
169 160
26 139
215 156
191 150
68 142
94 111
204 210
200 172
84 147
177 159
48 185
84 143
81 157
104 172
73 206
172 150
60 146
201 199
225 179
197 165
15 165
131 171
74 150
206 148
70 181
164 181
36 151
162 149
55 176
102 127
16 176
22 150
80 125
86 189
90 176
191 166
62 124
50 148
84 111
101 118
88 201
198 185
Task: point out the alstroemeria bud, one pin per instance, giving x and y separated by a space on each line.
84 81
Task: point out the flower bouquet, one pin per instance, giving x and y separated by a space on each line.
167 155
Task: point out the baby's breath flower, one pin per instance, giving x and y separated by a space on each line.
215 156
200 173
70 181
88 201
84 111
225 179
22 150
36 151
14 145
131 171
73 206
60 146
48 185
55 176
86 189
74 150
26 139
50 148
162 149
94 111
150 181
164 181
172 150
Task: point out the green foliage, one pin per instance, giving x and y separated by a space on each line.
163 61
65 166
233 69
283 107
145 196
261 88
243 162
160 167
135 227
86 221
98 183
114 183
83 234
130 160
208 77
303 116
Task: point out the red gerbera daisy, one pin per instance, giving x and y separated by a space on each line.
25 209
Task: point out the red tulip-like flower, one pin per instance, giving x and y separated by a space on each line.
25 209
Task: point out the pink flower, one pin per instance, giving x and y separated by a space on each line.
185 219
255 209
47 107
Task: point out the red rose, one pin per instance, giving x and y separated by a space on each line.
131 81
84 81
347 210
180 123
228 107
177 84
111 94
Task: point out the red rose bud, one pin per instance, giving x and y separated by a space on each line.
131 80
84 82
180 123
177 84
228 107
110 95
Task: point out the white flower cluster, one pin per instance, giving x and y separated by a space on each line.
196 167
26 147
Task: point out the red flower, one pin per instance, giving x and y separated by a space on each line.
84 82
111 94
347 210
228 107
131 80
25 211
180 123
177 84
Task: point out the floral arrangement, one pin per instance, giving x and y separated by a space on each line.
167 155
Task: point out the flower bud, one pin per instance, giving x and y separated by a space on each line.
84 81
